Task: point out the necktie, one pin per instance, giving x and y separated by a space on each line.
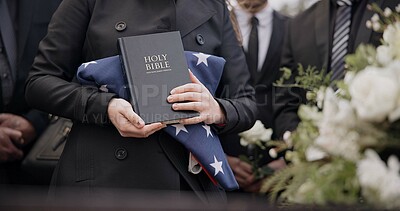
340 38
252 51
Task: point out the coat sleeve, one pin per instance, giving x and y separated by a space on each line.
49 86
235 94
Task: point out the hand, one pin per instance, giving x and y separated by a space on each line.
196 97
9 140
127 122
277 165
18 123
243 172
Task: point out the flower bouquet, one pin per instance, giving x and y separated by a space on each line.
346 146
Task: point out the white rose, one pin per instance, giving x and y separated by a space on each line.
255 135
391 34
384 55
374 93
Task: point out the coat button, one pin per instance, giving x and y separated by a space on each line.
200 39
120 26
121 153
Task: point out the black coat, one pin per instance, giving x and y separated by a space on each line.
307 43
265 91
82 31
33 18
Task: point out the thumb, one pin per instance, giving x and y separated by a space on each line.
193 78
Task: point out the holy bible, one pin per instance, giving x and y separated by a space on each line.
153 65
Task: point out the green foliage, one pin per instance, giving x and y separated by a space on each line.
307 78
364 56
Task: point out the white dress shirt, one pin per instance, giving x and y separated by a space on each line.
265 19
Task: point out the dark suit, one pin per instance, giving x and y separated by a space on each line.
262 82
33 18
308 42
82 31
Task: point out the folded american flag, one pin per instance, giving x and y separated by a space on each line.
199 139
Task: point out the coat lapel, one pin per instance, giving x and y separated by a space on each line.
322 32
197 13
274 45
25 18
364 34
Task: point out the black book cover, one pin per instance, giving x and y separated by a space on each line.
153 65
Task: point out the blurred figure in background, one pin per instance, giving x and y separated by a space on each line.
322 36
23 23
261 30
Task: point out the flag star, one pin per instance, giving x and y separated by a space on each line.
202 58
208 129
87 63
103 88
179 128
217 165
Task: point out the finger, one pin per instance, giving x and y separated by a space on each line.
193 78
11 151
190 87
277 164
191 121
187 96
242 173
132 117
149 129
188 106
15 135
154 128
4 117
246 167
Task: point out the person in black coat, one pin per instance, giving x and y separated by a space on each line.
105 127
271 30
309 41
23 24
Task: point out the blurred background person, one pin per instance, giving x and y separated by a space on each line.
322 36
23 23
261 31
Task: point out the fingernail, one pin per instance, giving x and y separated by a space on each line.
169 98
140 122
172 92
174 106
22 141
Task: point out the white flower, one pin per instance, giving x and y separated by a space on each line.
374 93
368 24
313 153
257 134
384 55
387 12
375 18
320 97
376 26
395 68
380 183
391 36
309 113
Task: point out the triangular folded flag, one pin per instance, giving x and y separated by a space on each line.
199 139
